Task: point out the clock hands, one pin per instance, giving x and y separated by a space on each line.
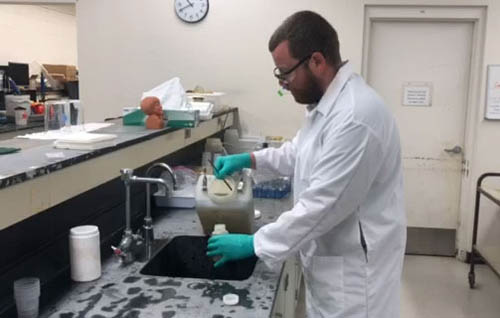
196 10
182 9
189 5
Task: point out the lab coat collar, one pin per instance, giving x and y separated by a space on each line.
332 92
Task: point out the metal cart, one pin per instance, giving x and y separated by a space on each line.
490 255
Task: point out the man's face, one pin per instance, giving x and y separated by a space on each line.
303 85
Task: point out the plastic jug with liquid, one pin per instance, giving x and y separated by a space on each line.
217 204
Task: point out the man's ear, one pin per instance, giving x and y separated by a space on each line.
317 63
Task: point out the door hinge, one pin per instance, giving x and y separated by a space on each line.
465 168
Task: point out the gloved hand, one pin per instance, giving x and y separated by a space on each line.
227 165
231 247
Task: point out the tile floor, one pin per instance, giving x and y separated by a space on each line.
437 287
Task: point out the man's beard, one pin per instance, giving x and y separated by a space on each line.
311 94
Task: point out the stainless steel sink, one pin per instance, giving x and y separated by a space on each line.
184 256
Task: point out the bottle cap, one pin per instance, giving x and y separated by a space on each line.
230 299
257 214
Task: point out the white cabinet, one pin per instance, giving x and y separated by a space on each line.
287 294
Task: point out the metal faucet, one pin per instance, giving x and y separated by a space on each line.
130 244
147 227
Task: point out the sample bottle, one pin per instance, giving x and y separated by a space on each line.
218 230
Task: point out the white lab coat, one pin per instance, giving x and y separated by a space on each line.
348 192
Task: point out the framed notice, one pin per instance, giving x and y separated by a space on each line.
417 94
493 93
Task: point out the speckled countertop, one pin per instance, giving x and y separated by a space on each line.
32 162
123 292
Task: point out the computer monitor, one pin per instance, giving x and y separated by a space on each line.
19 72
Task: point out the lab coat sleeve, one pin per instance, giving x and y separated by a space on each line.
277 160
339 182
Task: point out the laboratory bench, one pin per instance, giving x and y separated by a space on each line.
135 146
42 198
19 130
122 291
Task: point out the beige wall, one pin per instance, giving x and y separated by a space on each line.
127 46
43 33
486 152
122 53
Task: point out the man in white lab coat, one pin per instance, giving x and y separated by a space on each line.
348 222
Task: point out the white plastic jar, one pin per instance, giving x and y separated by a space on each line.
219 229
85 253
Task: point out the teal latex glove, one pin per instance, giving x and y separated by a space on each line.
227 165
230 247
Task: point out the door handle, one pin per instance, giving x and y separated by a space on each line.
455 150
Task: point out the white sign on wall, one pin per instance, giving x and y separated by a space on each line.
493 93
417 94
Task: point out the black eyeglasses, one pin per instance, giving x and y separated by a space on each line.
282 76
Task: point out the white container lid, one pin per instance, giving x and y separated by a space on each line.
84 230
257 214
230 299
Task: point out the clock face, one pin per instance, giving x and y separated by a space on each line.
191 11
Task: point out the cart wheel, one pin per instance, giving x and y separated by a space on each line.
472 280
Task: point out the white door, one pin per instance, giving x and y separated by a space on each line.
431 62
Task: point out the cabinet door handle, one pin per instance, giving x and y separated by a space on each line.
285 287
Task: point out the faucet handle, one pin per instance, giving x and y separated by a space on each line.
118 252
126 173
138 236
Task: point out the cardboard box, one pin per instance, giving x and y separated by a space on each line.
68 72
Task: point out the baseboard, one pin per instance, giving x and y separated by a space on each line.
431 241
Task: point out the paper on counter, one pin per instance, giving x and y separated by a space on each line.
85 141
55 156
62 133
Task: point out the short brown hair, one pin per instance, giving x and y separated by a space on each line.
308 32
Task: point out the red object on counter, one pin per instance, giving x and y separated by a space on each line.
38 108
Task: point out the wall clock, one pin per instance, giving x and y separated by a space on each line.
191 11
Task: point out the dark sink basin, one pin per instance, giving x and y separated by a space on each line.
184 256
